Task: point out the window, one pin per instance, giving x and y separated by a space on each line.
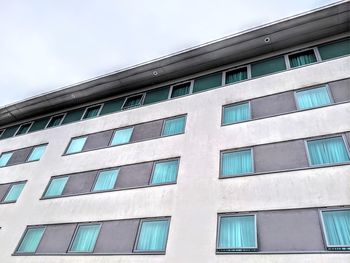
133 101
31 240
56 186
105 180
14 192
91 112
236 75
55 121
1 132
174 126
236 163
327 151
312 98
237 233
36 153
76 145
236 113
302 58
122 136
4 158
180 89
85 238
23 129
165 172
152 236
336 227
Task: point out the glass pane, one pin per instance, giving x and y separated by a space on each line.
335 49
236 113
153 236
56 186
180 90
133 102
337 227
4 158
268 66
76 145
237 232
174 126
239 162
23 129
85 238
327 151
37 152
313 98
31 240
106 180
14 192
92 112
207 82
55 121
156 95
236 75
165 172
302 58
122 136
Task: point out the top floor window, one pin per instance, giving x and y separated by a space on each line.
55 121
92 111
180 89
302 58
23 129
133 101
236 75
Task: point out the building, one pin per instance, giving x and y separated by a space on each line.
233 151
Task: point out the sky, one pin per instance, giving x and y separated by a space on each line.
46 45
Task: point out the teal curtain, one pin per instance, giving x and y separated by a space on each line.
106 180
133 102
236 113
85 238
37 152
237 232
165 172
31 240
14 192
122 136
153 235
327 151
23 129
55 121
56 186
237 162
92 112
302 58
337 227
236 75
180 90
313 98
76 145
4 158
174 126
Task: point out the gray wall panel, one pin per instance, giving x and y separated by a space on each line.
20 156
340 90
98 140
134 175
147 130
290 230
280 156
80 183
117 236
272 105
3 190
56 238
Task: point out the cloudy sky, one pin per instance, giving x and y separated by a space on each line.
45 45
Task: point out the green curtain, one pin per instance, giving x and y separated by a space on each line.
236 163
122 136
236 75
236 113
180 90
337 227
302 58
312 98
153 235
92 112
165 172
174 126
14 192
132 102
56 186
85 238
76 145
106 180
36 153
31 240
4 158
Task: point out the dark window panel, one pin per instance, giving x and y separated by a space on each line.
146 131
19 156
207 82
335 49
268 66
39 124
73 116
98 140
80 183
156 95
340 90
134 175
112 106
9 132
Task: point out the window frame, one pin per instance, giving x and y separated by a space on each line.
9 189
8 159
69 251
89 107
48 185
2 132
190 91
65 151
238 250
330 95
20 126
224 73
118 129
314 49
171 118
143 95
32 150
63 117
236 104
222 152
96 178
22 237
164 161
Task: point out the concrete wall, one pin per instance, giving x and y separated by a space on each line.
194 202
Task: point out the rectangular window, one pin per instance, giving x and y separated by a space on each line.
236 163
236 75
14 193
165 172
335 49
180 90
133 101
4 158
36 153
312 98
85 238
174 126
302 58
106 180
152 236
92 111
268 66
55 121
31 240
207 82
56 186
236 113
327 151
336 228
24 128
76 145
237 233
122 136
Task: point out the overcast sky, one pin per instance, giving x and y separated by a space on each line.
45 45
